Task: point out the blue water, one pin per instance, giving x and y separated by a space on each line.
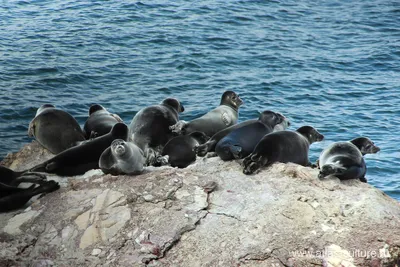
334 65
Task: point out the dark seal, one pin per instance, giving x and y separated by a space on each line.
12 197
223 116
282 146
84 157
149 128
345 159
55 129
241 142
209 146
122 158
180 149
99 122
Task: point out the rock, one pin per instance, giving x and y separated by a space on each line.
209 214
96 252
337 257
102 222
14 224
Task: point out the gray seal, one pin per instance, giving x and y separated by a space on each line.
149 128
345 159
84 157
180 149
209 146
223 116
122 158
55 129
282 146
241 142
99 122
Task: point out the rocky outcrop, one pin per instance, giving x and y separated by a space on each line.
209 214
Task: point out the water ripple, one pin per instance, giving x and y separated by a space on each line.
330 64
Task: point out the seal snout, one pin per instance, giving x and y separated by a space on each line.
320 137
118 146
119 149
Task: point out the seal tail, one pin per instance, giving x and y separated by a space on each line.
38 168
46 187
202 150
19 199
30 177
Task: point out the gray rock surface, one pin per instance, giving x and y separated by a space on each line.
209 214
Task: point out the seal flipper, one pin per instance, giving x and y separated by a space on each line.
160 161
363 180
52 166
330 169
15 197
19 199
254 162
154 158
39 168
353 172
178 127
107 161
6 189
251 168
202 150
30 177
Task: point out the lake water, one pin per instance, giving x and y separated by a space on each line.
334 65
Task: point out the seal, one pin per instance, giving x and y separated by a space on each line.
12 197
209 146
240 142
180 149
122 158
149 128
84 157
345 159
55 129
14 178
282 146
99 122
223 116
